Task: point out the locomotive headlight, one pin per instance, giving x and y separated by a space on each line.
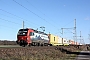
27 38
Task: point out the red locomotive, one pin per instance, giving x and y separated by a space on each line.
32 37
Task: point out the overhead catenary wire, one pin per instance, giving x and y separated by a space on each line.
6 15
39 16
10 13
38 9
27 20
68 23
7 27
17 16
8 31
29 11
34 7
33 13
22 19
69 28
10 21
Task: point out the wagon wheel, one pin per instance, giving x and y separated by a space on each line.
23 45
29 45
38 44
42 44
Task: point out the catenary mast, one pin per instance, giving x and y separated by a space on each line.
75 37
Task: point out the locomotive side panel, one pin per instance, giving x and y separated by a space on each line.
39 38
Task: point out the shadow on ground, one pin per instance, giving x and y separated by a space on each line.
72 55
69 52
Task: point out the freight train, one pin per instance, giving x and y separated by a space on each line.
33 37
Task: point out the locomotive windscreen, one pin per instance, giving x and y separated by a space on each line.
23 32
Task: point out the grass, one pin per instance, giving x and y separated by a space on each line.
4 46
35 53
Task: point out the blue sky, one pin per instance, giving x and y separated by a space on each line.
52 14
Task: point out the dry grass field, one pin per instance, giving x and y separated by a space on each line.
9 50
38 53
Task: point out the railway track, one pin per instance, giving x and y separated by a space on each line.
84 55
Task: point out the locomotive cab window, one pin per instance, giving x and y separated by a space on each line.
31 34
22 32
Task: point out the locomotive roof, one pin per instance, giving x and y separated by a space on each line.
37 31
23 29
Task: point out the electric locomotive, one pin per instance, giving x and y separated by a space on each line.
32 37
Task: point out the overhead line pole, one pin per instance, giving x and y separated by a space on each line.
23 24
75 32
80 37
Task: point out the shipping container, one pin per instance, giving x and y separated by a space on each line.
53 39
65 41
71 42
77 43
60 41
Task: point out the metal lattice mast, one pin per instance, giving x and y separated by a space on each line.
81 39
75 32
